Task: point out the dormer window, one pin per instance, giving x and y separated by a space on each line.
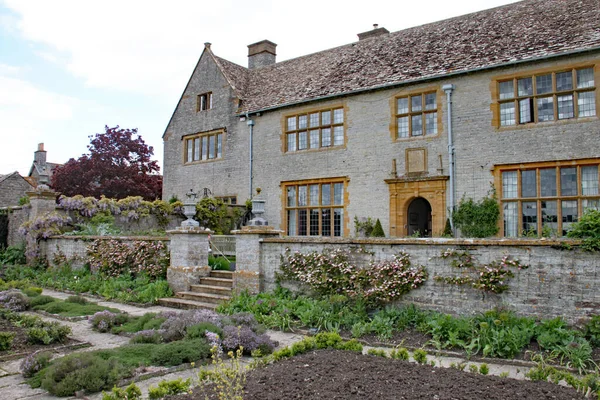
205 101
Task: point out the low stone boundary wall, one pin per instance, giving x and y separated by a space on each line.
73 249
558 282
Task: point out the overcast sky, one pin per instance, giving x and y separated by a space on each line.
70 67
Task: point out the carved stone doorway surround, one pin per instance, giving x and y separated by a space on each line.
404 190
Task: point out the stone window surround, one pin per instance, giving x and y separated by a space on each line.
188 140
439 95
231 199
496 101
204 102
344 180
519 199
307 112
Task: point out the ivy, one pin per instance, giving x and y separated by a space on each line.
492 277
477 219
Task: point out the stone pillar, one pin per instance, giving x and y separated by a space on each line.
42 201
247 275
189 257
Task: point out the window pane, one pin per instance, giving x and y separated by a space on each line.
549 217
529 217
338 116
291 196
545 108
589 180
403 105
586 104
302 196
431 123
569 215
528 183
314 195
205 147
326 118
302 222
314 120
196 149
302 121
326 194
525 86
291 123
590 205
211 146
509 185
585 78
525 111
564 81
403 127
302 140
219 145
430 101
338 135
314 222
326 137
190 150
507 114
548 182
314 139
417 125
565 107
291 223
338 218
510 219
326 222
568 181
507 90
338 189
291 142
543 84
415 103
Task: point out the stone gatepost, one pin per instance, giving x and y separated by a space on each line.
247 255
42 201
189 257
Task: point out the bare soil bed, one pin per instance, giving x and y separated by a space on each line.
334 374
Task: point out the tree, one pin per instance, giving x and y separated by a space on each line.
118 165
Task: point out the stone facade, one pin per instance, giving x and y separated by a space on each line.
557 283
12 188
383 174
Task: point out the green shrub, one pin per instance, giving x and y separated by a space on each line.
52 332
6 339
400 353
179 352
588 229
145 322
72 309
150 336
351 345
484 369
218 263
169 388
41 300
377 230
420 356
13 255
326 340
77 300
198 331
592 330
32 291
34 363
377 352
131 392
82 371
477 219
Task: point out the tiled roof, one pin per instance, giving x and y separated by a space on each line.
521 31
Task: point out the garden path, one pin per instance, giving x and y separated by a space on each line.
13 386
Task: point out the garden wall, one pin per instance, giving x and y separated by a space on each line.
558 282
72 249
16 217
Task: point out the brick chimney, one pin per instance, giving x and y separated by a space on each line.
261 54
376 31
39 157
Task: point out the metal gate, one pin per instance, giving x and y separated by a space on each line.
3 229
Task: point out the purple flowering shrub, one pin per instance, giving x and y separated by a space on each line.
244 319
235 337
14 300
34 363
45 226
103 321
148 336
176 325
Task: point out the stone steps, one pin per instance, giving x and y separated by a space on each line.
209 293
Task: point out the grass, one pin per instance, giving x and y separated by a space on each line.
136 324
67 309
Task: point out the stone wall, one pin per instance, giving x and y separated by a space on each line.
12 188
72 249
16 217
557 283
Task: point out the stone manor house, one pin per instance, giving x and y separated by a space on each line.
400 126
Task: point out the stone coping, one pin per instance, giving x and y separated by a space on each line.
91 237
188 231
427 241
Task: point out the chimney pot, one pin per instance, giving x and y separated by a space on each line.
207 45
41 147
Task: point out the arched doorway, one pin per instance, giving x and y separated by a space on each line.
419 218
